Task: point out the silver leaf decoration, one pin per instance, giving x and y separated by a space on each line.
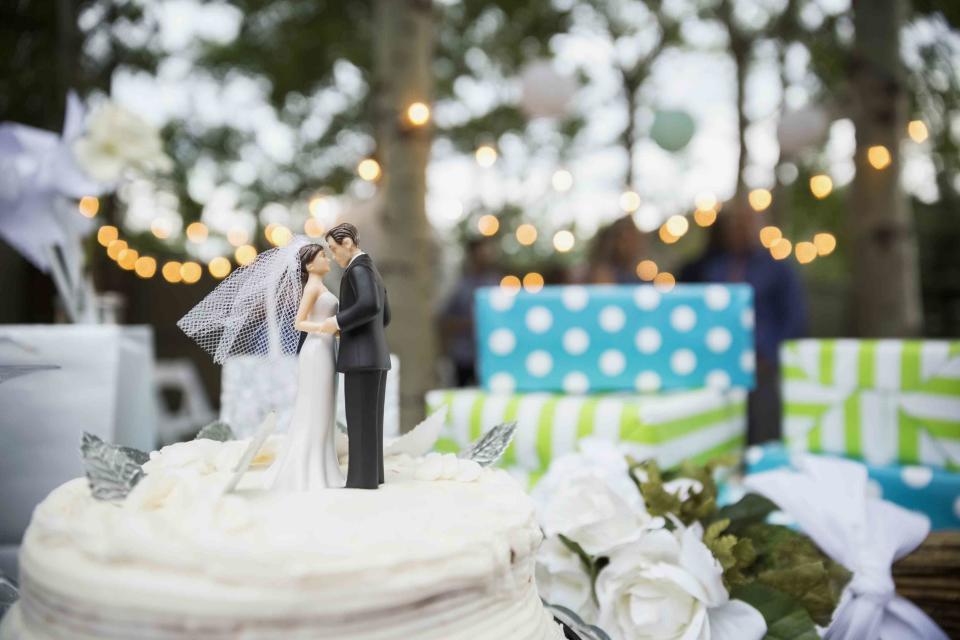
9 594
490 446
112 471
218 430
573 623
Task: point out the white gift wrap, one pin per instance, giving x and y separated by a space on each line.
102 383
251 388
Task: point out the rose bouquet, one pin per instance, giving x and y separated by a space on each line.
645 553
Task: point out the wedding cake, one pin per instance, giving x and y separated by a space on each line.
445 549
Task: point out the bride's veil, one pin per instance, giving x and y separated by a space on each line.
252 312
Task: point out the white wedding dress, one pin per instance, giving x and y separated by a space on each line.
308 458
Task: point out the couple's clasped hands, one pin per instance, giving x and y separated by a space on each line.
327 326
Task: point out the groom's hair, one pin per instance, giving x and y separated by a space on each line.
343 231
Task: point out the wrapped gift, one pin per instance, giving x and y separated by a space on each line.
932 491
668 426
882 401
580 339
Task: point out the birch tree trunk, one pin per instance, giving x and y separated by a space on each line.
886 278
404 48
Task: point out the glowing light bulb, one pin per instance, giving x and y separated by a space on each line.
486 155
146 267
825 243
821 186
127 259
368 169
563 241
418 114
533 282
647 270
219 267
88 206
629 201
245 254
488 225
917 130
171 272
510 284
161 228
664 281
107 234
760 199
879 157
526 234
705 217
190 272
238 236
805 252
769 235
313 228
705 200
115 247
666 236
197 232
677 225
781 249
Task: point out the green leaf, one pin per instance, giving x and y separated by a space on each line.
786 618
750 509
651 481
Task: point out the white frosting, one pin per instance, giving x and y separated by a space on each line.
443 550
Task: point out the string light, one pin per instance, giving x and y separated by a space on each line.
115 247
917 130
145 267
171 272
160 227
647 270
677 225
313 228
806 252
237 236
245 254
629 201
318 205
666 236
781 249
705 217
107 234
825 243
760 199
820 186
533 282
418 114
280 236
879 157
526 234
563 241
197 232
769 235
190 272
88 206
705 200
488 225
219 267
368 169
486 155
562 180
510 284
664 281
127 259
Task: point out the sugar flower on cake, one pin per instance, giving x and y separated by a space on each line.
668 585
117 139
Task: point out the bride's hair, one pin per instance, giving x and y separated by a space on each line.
307 253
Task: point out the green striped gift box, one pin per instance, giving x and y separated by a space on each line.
669 426
882 401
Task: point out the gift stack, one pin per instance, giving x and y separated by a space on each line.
892 404
664 373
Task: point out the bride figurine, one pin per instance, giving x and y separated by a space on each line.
261 309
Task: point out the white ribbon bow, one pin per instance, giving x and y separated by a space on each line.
827 497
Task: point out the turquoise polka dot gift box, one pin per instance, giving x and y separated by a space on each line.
581 339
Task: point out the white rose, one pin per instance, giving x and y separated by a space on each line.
588 512
668 585
562 579
597 457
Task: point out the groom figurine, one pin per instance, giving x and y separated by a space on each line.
363 358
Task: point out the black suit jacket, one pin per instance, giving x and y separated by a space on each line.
364 313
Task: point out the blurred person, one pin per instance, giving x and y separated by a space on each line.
734 254
456 318
615 252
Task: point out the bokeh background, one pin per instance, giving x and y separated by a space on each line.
806 145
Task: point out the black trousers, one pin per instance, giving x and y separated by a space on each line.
764 410
364 395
